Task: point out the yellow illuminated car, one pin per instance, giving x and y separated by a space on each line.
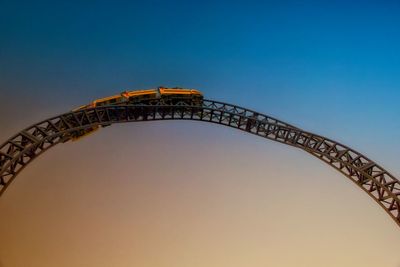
161 95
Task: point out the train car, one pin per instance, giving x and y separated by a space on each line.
161 95
171 96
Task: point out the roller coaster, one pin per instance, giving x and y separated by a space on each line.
188 104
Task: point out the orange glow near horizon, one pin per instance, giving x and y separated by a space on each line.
188 194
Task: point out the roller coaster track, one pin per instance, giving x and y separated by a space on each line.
18 151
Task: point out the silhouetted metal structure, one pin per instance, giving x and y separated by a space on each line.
25 146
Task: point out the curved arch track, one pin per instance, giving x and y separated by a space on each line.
378 183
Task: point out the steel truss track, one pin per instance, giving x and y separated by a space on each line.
25 146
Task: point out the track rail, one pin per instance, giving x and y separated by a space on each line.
18 151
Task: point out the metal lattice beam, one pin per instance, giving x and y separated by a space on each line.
22 148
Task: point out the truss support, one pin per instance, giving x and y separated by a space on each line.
22 148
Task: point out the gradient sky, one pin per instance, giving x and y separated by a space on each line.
189 194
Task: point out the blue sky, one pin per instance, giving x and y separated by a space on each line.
321 65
